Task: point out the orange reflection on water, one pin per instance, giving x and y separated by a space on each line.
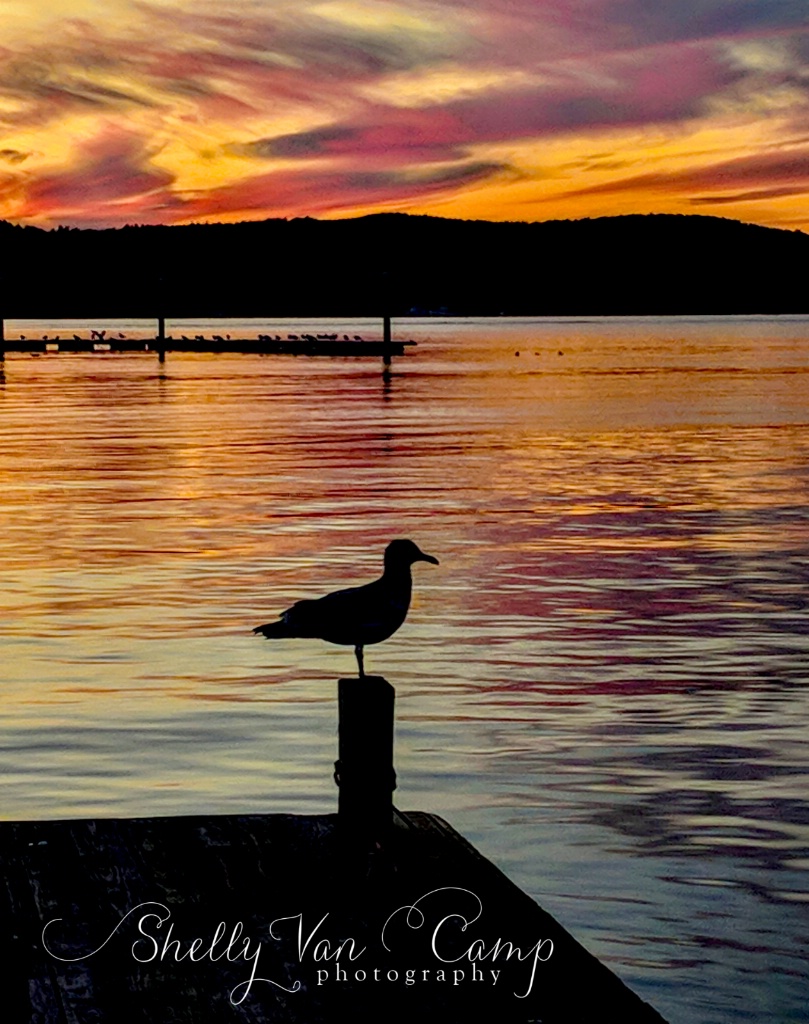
608 663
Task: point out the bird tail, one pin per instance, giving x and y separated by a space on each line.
273 630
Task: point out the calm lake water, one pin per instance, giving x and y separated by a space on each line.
603 685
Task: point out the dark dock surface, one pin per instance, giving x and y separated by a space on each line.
225 346
299 904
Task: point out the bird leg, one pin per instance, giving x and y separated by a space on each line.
358 652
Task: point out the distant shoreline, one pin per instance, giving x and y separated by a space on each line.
653 265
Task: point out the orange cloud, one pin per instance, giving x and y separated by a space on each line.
743 179
174 110
112 182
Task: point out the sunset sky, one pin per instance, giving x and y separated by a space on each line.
116 112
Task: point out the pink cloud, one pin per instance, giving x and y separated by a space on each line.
659 85
294 193
114 168
753 196
758 176
587 66
656 86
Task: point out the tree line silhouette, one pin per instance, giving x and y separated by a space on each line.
404 264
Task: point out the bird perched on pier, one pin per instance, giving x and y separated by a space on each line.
359 615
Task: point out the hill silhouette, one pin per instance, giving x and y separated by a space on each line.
637 264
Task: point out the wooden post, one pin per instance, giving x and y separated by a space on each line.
364 771
386 357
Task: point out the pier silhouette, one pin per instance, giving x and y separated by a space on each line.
103 341
365 915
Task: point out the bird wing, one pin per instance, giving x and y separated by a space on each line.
301 620
339 614
337 617
358 615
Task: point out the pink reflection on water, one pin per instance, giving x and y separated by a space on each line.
607 670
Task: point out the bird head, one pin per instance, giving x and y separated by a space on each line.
403 553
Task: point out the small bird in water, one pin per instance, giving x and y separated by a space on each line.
359 615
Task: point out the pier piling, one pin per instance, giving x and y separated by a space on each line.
364 771
372 882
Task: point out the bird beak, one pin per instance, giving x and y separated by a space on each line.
427 558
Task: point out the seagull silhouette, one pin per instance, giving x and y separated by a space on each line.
359 615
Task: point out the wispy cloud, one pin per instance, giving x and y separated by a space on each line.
112 182
762 176
285 193
170 110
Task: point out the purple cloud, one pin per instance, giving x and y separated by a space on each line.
286 193
526 70
761 176
113 178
